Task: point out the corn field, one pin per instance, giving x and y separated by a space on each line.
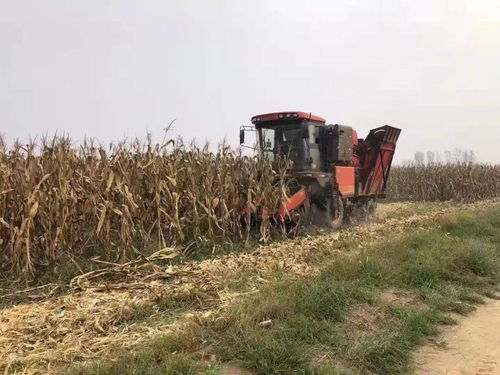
443 182
57 200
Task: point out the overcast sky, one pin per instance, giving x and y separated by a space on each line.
115 68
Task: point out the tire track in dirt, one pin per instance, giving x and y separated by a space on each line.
85 325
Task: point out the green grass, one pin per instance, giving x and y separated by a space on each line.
313 327
150 362
388 350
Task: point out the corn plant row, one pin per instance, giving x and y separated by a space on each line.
59 200
462 182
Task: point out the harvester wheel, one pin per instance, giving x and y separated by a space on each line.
328 215
335 212
371 207
365 210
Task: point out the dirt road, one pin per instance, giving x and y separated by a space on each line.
470 348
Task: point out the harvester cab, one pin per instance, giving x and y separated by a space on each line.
335 175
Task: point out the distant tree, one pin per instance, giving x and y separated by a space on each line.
431 157
465 157
448 158
3 143
455 156
458 156
472 157
419 158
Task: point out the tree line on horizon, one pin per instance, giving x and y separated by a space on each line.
455 156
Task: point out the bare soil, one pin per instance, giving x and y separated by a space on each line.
470 348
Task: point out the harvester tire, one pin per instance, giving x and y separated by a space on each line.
335 212
371 207
328 215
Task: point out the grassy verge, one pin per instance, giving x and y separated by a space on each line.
363 313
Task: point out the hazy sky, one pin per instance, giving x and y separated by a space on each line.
110 69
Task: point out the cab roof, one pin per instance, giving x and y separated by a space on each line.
288 115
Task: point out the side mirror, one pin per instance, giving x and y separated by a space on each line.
304 131
242 136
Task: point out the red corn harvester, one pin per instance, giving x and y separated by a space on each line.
334 174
